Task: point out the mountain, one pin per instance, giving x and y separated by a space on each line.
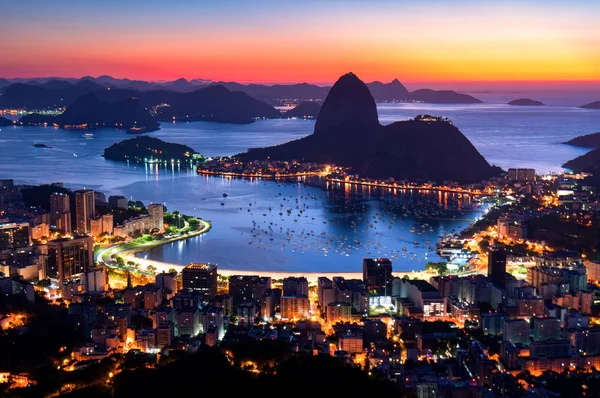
181 85
588 163
56 84
307 110
348 133
442 97
144 147
4 82
394 91
277 92
349 102
591 105
586 141
211 103
5 122
89 112
525 102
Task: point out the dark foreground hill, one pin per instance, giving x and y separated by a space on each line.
348 133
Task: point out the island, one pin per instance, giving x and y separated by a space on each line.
442 97
347 133
5 122
591 105
586 141
525 102
306 110
145 149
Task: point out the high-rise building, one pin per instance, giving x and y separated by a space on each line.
497 267
248 287
295 307
377 274
293 286
517 331
521 174
40 231
85 209
107 224
64 223
14 236
59 203
200 278
96 226
118 202
69 257
156 213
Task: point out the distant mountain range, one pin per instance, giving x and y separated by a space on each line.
273 94
347 133
89 112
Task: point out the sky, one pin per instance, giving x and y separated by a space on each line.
302 41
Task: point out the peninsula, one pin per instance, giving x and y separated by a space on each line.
591 105
306 110
586 141
347 133
149 149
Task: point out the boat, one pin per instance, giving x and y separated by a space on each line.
88 135
40 145
224 195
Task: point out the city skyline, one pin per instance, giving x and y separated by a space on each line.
458 41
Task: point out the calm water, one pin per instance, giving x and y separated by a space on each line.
335 228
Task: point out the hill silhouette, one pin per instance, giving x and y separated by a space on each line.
442 97
308 109
5 122
591 105
525 102
214 103
144 147
348 133
90 112
586 141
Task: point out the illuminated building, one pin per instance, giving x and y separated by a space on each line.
295 307
156 213
325 291
96 227
420 299
212 317
521 174
338 312
517 331
95 280
293 286
269 302
14 236
188 322
40 231
167 282
59 204
64 223
248 287
377 274
68 258
107 224
85 209
200 278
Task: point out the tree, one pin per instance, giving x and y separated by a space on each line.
151 268
171 270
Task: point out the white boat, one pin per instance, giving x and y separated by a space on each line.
88 135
